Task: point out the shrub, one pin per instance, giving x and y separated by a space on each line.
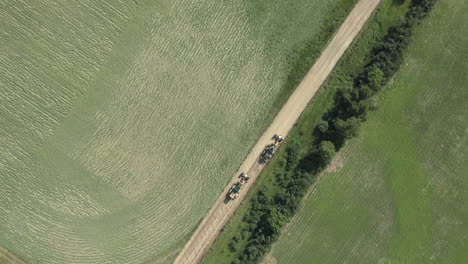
375 78
322 128
346 129
232 245
292 156
325 152
244 233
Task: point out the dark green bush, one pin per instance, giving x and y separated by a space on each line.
232 245
292 156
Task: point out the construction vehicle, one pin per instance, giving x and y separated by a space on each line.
270 149
236 188
268 152
234 191
243 178
278 139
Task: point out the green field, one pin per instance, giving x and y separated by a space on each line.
8 258
122 122
397 193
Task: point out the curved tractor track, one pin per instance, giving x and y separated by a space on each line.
221 212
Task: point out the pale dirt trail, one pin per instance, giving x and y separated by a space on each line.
218 216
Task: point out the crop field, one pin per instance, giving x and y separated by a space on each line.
122 122
8 258
397 193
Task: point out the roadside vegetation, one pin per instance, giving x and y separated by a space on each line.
333 118
396 193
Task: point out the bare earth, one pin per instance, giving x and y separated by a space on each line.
218 216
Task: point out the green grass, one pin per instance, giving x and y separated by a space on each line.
396 193
122 122
7 258
303 56
388 14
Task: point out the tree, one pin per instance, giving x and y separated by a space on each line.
252 254
345 104
347 129
322 127
232 245
365 91
288 203
375 78
293 155
273 222
326 150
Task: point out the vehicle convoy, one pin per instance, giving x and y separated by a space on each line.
265 156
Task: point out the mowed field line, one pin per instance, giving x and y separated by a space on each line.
220 213
7 257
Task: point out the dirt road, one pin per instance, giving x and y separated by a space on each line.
218 216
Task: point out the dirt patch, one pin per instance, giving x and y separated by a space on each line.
336 164
269 259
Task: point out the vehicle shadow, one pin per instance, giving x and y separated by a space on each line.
226 199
